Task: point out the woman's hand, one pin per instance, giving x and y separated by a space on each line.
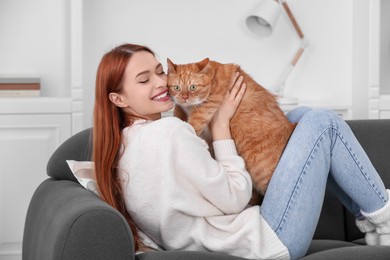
220 123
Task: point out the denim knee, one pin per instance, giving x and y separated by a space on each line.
297 113
322 116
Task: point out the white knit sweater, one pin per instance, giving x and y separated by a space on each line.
183 199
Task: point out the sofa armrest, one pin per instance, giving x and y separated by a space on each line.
66 221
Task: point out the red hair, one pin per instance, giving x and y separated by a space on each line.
109 120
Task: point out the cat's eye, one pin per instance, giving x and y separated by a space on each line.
176 88
192 87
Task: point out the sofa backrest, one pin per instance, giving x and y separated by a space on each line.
374 136
335 221
78 148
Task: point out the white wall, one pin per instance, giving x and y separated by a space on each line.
188 31
37 41
34 40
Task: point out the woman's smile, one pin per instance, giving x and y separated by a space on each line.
162 96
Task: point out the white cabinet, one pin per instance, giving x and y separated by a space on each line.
30 130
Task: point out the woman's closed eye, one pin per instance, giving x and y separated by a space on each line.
144 81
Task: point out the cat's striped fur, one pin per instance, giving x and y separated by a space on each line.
259 127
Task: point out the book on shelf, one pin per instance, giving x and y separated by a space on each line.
20 86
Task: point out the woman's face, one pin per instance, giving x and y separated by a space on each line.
144 92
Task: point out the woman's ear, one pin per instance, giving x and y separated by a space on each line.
116 99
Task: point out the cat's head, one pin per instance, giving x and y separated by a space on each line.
190 84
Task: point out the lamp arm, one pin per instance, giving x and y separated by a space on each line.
299 52
286 74
291 18
297 56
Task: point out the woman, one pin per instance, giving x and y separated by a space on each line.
161 177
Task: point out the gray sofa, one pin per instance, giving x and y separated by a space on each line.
66 221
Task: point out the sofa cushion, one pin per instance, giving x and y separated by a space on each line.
352 253
187 255
319 245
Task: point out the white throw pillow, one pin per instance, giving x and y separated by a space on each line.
84 171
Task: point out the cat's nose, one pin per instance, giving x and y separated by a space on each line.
185 97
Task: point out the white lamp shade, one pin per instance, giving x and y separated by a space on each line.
263 18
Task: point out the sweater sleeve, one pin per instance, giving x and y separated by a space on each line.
223 182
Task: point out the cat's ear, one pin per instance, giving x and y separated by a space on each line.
171 66
203 64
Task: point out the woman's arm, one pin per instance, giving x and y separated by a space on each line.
224 182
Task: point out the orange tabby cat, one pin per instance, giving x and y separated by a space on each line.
259 127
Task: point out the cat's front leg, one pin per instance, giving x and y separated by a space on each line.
200 123
199 126
200 119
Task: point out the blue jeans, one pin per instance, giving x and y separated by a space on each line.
321 153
